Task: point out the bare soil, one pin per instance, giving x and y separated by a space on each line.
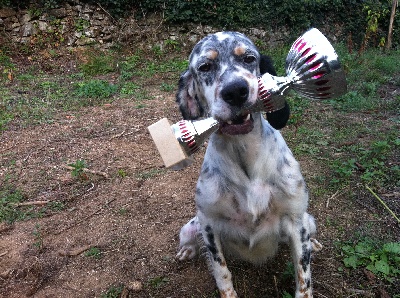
131 208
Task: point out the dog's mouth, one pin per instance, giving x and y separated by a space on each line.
238 125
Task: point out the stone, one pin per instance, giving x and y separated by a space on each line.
83 41
194 38
15 25
85 16
27 17
42 26
7 12
98 16
58 12
27 30
87 9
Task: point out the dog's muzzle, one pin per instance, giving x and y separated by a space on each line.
237 126
236 95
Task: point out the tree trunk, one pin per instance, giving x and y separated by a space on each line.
390 33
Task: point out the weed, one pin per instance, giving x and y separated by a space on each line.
286 295
113 292
8 211
5 118
38 238
98 65
288 273
95 89
157 51
122 211
158 282
6 66
81 25
167 87
382 260
172 45
129 88
77 168
370 163
56 206
122 173
149 174
93 252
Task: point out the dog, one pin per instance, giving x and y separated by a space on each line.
250 195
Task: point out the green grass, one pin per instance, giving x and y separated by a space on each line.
98 65
35 97
93 252
113 292
12 211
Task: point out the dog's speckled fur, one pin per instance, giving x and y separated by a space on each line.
250 194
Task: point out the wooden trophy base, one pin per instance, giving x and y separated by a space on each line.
172 154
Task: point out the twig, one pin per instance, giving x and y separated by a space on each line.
31 203
91 187
115 21
356 292
3 253
74 252
383 203
335 195
118 135
276 287
105 175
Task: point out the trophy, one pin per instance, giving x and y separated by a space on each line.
312 70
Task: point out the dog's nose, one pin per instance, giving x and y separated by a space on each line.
235 93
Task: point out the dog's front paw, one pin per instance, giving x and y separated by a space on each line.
316 246
186 252
230 293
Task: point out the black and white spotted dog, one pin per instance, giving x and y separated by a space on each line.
250 194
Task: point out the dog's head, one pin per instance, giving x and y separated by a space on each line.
221 79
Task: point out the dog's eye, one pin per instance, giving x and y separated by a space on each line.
249 59
205 67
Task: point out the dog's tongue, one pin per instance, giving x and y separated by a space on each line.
240 127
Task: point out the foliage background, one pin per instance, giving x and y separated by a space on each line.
356 18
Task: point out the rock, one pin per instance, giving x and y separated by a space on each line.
84 41
43 26
25 18
58 12
85 16
98 16
27 30
7 12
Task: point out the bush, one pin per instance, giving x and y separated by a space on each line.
354 16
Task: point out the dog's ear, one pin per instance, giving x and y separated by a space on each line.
277 119
266 65
186 97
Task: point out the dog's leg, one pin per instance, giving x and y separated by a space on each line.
301 247
220 271
188 244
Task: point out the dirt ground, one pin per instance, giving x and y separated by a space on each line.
131 208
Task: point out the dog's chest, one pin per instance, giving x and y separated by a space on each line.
250 206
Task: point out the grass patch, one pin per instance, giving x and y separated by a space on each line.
95 89
8 211
113 292
98 65
93 252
